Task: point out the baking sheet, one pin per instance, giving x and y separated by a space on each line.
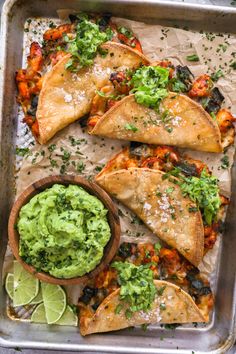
88 154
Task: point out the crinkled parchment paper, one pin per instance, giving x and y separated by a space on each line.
73 151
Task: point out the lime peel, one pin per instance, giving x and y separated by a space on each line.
25 286
54 299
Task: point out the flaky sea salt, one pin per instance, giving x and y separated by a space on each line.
68 98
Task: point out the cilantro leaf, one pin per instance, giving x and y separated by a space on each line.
224 162
192 57
150 85
131 127
85 45
137 286
204 191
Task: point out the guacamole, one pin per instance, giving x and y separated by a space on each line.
63 231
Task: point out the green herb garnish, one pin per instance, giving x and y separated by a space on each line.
213 116
215 76
192 209
224 162
22 151
157 247
118 309
150 85
137 286
192 57
85 45
127 33
204 191
233 65
131 127
178 85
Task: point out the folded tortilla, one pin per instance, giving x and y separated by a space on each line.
160 204
186 124
67 96
179 308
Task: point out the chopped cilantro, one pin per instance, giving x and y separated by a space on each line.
118 309
170 190
137 286
84 46
52 147
157 247
160 290
215 76
192 209
224 162
127 33
150 85
131 127
22 151
162 306
204 191
80 166
128 314
66 155
233 65
192 57
177 85
213 116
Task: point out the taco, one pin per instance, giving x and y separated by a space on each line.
66 96
161 105
78 59
174 195
130 292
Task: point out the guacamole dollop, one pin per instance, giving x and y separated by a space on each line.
63 231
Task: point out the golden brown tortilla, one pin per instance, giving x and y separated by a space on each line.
67 96
180 308
186 124
160 204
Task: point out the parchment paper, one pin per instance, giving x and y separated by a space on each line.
88 153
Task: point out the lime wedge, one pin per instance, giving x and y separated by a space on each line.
9 285
69 318
54 299
38 299
26 286
39 315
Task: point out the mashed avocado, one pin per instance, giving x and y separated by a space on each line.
63 231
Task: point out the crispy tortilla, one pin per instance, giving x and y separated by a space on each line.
160 204
67 96
179 308
187 124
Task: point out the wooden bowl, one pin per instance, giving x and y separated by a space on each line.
112 216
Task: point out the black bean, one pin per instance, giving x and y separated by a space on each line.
205 290
73 18
34 102
95 306
197 284
103 22
125 250
187 168
215 101
83 121
139 149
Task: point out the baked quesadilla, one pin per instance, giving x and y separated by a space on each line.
79 59
146 284
161 105
174 195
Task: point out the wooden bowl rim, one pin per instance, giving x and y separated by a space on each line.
47 182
